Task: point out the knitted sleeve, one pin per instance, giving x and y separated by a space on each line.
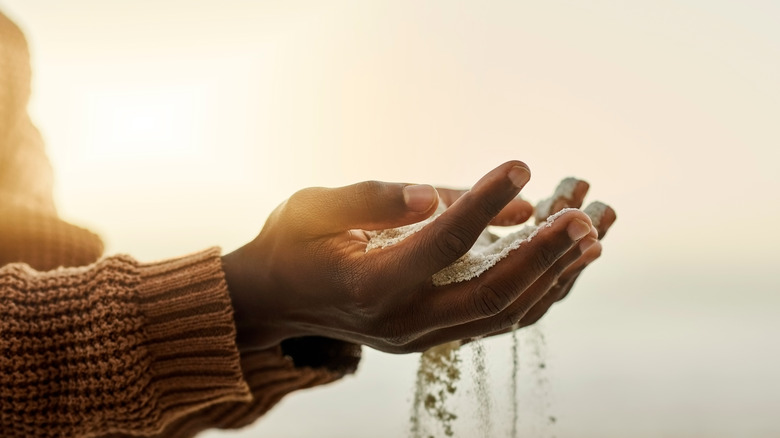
271 374
122 348
117 346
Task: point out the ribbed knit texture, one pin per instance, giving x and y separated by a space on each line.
270 376
121 348
115 347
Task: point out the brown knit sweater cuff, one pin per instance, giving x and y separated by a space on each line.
270 375
115 347
190 333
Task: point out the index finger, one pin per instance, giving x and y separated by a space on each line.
454 232
516 212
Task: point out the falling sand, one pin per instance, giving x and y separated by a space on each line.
439 374
437 379
482 388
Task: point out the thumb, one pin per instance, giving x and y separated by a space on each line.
369 205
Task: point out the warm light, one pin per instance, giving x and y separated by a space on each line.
174 125
139 125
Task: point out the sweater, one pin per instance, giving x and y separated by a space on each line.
113 347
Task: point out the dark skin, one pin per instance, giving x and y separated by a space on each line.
566 280
307 272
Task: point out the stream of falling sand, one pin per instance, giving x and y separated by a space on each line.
540 396
481 388
437 382
513 383
438 374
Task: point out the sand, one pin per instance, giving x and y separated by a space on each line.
437 381
565 190
488 250
513 383
439 370
595 210
482 389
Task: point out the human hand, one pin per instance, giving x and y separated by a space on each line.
602 217
307 273
569 194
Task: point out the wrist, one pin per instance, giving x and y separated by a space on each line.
259 324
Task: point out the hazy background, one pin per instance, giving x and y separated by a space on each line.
177 125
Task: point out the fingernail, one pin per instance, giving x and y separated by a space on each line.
578 229
419 197
587 243
519 176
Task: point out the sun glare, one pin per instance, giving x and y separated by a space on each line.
138 125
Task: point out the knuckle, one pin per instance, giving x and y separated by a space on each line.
545 258
365 194
490 206
301 198
560 268
490 300
300 204
557 271
369 189
451 243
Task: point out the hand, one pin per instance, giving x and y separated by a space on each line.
561 288
307 272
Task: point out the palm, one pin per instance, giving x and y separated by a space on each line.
308 273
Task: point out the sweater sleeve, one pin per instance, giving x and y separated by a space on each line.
117 346
122 348
271 375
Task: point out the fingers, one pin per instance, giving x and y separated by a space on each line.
449 196
506 282
556 293
602 216
369 205
527 300
517 211
570 193
452 234
566 284
520 290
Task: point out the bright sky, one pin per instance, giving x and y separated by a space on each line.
176 125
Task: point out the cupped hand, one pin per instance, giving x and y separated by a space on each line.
307 273
564 282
